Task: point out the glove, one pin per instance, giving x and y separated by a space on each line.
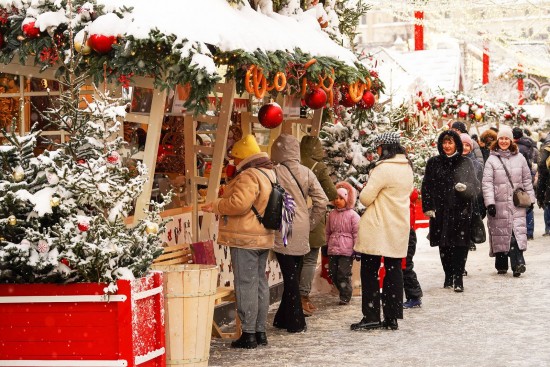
460 187
492 210
430 213
356 256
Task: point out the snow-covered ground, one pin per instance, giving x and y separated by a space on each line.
497 321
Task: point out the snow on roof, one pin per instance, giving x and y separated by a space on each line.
428 71
230 28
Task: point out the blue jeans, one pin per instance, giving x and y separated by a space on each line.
530 218
547 219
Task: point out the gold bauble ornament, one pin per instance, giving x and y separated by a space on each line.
55 201
12 220
152 228
2 239
18 176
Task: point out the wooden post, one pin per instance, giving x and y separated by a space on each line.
154 128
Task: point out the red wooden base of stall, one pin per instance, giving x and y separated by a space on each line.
78 325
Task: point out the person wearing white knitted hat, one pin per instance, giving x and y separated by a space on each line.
505 171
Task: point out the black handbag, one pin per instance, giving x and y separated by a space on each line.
477 231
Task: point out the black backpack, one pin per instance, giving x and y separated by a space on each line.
279 205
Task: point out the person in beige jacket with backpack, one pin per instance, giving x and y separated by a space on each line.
301 183
248 239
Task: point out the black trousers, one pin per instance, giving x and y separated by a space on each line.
453 259
392 289
290 315
410 281
515 255
339 270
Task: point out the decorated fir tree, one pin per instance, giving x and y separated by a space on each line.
63 211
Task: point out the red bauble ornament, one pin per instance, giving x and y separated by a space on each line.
83 226
346 100
270 115
100 43
462 114
441 100
368 100
113 158
30 31
316 99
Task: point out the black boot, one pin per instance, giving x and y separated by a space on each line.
448 281
246 341
459 285
390 324
261 338
364 324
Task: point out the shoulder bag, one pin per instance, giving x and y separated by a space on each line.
520 197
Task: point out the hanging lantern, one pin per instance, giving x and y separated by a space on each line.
316 99
270 115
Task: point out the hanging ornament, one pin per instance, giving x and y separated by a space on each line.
12 220
368 100
55 201
83 49
29 30
346 99
18 174
113 158
152 228
81 161
316 99
270 115
101 44
43 246
83 226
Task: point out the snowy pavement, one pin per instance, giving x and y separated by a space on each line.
497 321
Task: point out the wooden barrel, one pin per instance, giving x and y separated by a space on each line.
189 292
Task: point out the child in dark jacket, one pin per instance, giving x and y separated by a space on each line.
341 233
413 291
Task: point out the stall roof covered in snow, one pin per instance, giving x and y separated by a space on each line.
231 28
428 70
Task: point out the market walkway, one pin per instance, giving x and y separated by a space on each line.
497 321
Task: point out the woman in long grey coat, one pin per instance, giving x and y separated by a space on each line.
507 225
301 183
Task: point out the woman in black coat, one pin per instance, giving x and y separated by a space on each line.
448 191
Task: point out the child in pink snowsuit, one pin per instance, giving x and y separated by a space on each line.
341 230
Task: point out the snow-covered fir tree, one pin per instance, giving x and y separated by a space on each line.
70 203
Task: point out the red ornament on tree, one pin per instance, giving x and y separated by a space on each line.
100 43
29 30
316 99
462 114
83 226
368 100
113 158
270 115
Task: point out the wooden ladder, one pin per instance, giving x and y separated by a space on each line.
225 91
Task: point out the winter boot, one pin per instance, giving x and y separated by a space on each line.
390 324
246 341
364 324
261 338
520 269
306 306
412 303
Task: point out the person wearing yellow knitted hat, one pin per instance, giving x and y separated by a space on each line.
245 147
248 240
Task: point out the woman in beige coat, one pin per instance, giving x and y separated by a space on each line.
301 183
384 232
247 238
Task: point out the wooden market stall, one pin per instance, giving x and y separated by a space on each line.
190 94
